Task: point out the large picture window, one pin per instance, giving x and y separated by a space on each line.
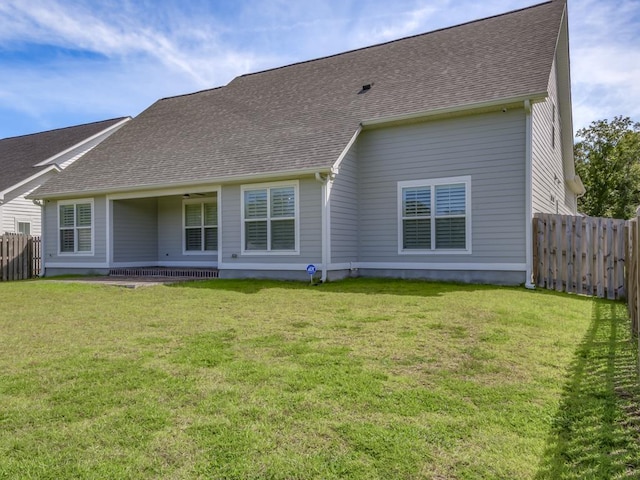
75 222
270 218
200 226
434 215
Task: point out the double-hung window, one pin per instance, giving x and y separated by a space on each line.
23 226
200 226
270 218
75 224
434 216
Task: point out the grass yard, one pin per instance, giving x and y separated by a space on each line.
360 379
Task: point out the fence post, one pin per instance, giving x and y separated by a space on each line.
636 292
579 260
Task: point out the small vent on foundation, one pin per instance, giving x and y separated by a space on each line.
164 272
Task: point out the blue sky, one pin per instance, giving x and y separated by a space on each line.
67 62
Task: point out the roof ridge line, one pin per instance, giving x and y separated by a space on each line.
302 62
193 93
64 128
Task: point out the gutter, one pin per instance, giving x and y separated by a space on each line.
576 185
501 102
185 184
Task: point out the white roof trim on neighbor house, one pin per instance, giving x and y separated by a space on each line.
85 141
27 180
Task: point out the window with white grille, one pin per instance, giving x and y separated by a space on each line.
270 218
434 215
200 226
75 225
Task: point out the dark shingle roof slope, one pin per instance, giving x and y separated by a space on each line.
19 155
302 116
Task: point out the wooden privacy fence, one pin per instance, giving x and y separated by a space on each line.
582 255
591 256
633 274
20 257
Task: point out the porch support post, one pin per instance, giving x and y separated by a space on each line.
109 236
325 235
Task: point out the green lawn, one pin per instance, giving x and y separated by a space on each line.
360 379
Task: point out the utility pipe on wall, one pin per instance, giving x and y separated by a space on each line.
528 214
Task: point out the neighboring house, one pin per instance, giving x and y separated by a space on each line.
28 161
424 157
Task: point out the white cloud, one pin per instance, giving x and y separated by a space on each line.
194 51
605 60
403 25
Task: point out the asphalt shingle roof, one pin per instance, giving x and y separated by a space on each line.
19 155
302 116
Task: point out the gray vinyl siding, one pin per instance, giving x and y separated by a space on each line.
170 228
343 206
549 191
135 230
51 235
488 147
310 207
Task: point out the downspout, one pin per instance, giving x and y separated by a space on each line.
528 227
325 227
43 220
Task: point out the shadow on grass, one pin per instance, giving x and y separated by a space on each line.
368 286
596 432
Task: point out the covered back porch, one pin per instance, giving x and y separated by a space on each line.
167 234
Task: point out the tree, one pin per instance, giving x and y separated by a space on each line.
608 162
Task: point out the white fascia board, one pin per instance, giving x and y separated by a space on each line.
535 97
563 70
30 179
83 142
149 190
336 165
201 188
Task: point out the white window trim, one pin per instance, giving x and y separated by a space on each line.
93 227
201 200
432 183
18 221
259 186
